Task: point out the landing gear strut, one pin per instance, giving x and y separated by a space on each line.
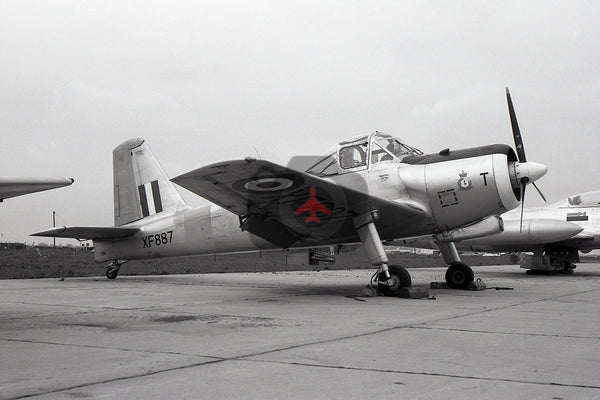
458 275
390 280
112 268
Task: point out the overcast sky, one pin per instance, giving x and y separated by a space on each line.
205 81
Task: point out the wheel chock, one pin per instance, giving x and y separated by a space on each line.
473 286
476 285
404 293
370 291
414 293
439 285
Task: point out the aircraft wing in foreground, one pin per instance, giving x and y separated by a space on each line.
291 208
13 187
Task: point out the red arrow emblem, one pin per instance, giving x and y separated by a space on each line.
312 206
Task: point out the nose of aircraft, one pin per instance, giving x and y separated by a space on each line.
530 170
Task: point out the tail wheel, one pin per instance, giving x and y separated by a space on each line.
111 273
459 275
399 279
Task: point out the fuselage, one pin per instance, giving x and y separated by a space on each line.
205 230
585 216
449 193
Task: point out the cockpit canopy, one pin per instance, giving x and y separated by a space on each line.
362 153
589 199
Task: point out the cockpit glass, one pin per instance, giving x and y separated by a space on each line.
326 166
385 147
394 146
353 156
353 153
378 154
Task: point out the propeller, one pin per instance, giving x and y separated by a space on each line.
525 172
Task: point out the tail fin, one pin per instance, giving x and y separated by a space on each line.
141 186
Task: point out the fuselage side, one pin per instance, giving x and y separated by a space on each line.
420 195
204 230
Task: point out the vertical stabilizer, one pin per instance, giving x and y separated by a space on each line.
141 186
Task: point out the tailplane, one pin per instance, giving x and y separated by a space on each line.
141 186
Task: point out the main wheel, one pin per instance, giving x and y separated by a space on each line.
399 278
459 275
568 268
557 264
111 273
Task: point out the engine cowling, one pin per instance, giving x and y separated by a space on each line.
464 186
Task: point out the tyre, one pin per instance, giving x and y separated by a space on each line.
112 273
400 279
459 275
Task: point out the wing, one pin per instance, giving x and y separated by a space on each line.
88 232
267 197
12 187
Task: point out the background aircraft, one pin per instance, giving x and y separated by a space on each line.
12 187
554 234
375 188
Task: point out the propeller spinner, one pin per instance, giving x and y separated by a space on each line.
524 171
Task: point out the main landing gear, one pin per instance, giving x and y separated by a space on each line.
555 266
551 261
390 280
112 268
458 275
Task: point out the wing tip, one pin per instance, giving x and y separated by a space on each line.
49 232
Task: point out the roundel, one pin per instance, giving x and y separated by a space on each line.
269 184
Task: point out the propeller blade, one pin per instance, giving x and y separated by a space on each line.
515 129
523 186
539 191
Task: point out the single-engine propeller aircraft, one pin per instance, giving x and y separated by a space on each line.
13 187
366 190
555 234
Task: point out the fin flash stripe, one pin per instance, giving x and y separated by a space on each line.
156 195
147 208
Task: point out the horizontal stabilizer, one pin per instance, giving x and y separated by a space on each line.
88 232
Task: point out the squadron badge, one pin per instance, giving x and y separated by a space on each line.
464 183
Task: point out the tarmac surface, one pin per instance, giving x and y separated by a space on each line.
301 335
